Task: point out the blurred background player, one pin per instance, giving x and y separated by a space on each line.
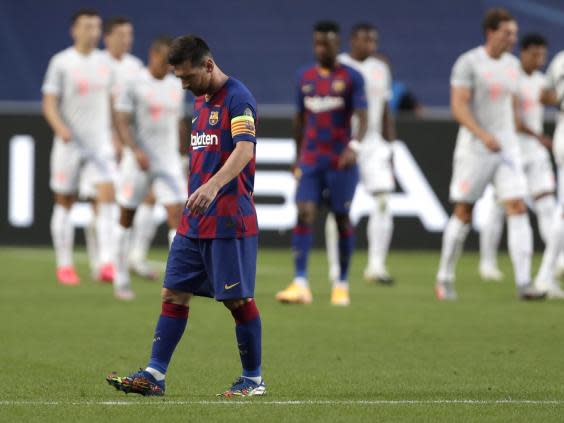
214 252
150 122
553 95
76 104
484 85
536 159
329 94
374 157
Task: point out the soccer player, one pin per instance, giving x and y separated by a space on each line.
329 94
484 85
76 104
149 119
536 159
375 156
215 249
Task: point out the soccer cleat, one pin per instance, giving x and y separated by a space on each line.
244 387
124 294
295 294
340 296
445 291
106 273
143 269
381 277
66 275
491 274
529 292
141 382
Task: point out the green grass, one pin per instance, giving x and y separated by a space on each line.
391 346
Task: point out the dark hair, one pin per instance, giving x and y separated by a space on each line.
494 17
111 23
161 41
83 12
326 26
188 47
362 26
532 39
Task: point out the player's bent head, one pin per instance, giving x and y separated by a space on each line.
364 40
533 48
326 42
158 55
86 27
118 34
193 63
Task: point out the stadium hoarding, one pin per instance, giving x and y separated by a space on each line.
422 165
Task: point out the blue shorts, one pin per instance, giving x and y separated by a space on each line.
340 184
224 269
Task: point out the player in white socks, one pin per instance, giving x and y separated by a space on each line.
76 104
484 85
554 95
374 158
149 119
536 159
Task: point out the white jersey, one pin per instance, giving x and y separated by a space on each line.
124 69
492 82
83 84
531 112
555 78
378 86
156 107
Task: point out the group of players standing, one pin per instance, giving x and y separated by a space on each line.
84 91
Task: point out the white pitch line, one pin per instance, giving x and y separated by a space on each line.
240 402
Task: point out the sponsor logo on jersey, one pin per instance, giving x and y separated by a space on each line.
201 140
318 104
338 86
214 117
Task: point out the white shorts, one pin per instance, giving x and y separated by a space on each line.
473 171
169 185
540 175
68 160
375 164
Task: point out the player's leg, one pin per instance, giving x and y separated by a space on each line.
143 233
87 193
490 237
65 165
332 246
104 228
379 233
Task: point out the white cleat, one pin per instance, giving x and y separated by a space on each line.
553 290
444 291
125 294
491 274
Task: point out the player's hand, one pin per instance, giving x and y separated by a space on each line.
347 158
546 141
142 159
201 199
296 171
491 142
64 133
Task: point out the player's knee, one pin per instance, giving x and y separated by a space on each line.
105 193
513 207
463 212
343 222
65 200
175 297
306 216
126 217
234 304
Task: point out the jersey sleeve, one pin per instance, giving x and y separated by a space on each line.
462 73
388 77
555 75
243 115
53 82
358 91
125 100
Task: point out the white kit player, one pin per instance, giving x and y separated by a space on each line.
374 155
484 85
76 104
554 96
535 156
149 119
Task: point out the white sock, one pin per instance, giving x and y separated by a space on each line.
454 236
156 374
490 236
122 241
104 228
520 242
171 235
332 246
90 236
256 379
379 233
62 232
301 282
545 208
144 230
553 249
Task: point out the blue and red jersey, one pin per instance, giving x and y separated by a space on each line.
328 98
218 124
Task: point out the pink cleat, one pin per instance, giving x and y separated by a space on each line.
66 275
106 273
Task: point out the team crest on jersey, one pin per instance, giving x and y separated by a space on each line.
338 86
307 88
214 117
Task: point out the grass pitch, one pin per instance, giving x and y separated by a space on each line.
396 354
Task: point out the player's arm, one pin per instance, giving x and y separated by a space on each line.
298 128
388 124
524 129
460 106
53 117
360 113
123 128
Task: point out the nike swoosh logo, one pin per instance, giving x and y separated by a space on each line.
231 286
194 119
